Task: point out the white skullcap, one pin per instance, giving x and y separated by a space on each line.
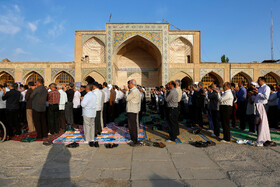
110 86
255 84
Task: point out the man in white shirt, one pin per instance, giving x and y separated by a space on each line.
77 106
99 103
89 113
272 108
106 103
226 100
262 96
133 100
61 106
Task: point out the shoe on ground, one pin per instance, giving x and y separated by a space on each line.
168 141
49 134
213 135
224 141
242 141
91 144
259 144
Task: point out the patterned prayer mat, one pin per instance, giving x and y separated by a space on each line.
34 135
110 134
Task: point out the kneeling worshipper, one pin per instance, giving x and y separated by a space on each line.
89 113
261 99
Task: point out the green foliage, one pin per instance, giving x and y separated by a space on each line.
224 59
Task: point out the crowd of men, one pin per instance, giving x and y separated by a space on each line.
49 110
256 104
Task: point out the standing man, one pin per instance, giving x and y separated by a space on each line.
241 104
226 110
179 90
77 106
172 111
12 98
61 106
53 110
99 102
234 107
89 113
262 96
106 103
69 106
2 106
39 98
214 104
31 127
132 108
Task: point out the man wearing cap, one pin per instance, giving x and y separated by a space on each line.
31 127
69 106
12 98
53 109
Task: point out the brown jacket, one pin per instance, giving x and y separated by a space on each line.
28 99
112 97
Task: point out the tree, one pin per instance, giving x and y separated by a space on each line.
224 59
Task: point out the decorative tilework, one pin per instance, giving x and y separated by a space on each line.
174 71
137 29
137 69
154 36
56 71
101 37
26 71
249 72
263 72
129 73
11 71
219 71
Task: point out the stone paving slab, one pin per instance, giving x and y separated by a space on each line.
210 174
157 183
153 170
210 183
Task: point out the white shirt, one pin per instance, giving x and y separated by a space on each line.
121 95
263 94
77 100
107 94
62 100
226 98
2 103
117 96
98 94
23 95
89 105
273 100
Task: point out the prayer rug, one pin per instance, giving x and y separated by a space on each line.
34 135
112 133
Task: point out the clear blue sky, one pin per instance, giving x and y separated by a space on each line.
43 30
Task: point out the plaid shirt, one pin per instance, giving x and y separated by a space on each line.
53 97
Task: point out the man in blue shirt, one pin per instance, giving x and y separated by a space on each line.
89 113
241 104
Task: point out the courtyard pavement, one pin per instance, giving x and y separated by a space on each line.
33 164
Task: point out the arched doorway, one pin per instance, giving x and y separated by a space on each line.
140 58
32 77
6 78
92 77
63 78
271 80
90 80
241 77
209 78
180 51
186 82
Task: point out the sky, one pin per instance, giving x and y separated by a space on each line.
43 30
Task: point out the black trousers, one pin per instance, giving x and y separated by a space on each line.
251 122
39 120
53 113
172 122
78 116
215 119
198 116
62 121
241 113
98 128
225 111
22 112
132 126
272 116
12 117
3 116
105 113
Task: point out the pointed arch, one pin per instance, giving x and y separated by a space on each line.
181 51
93 76
63 78
241 76
94 51
272 79
6 78
208 78
32 77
